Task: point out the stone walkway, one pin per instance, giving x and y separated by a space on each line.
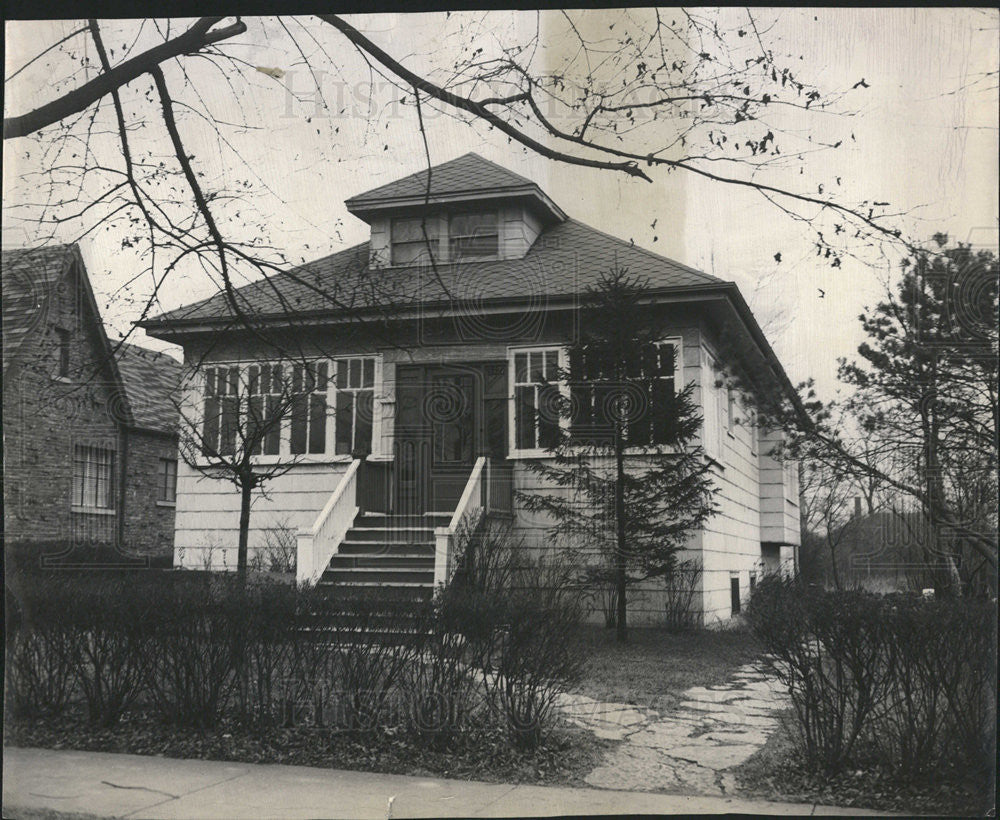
692 749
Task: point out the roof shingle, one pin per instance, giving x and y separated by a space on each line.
565 259
29 276
151 380
469 173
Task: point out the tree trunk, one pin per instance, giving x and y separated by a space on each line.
246 490
620 545
833 565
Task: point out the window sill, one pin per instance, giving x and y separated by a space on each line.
170 504
91 510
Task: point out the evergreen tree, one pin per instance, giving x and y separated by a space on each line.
626 477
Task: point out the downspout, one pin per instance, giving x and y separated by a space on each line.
123 472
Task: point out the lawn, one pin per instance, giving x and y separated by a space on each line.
655 666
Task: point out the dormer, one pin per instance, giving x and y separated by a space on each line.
475 211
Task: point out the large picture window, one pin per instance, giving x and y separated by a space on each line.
93 477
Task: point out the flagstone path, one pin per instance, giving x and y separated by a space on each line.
692 748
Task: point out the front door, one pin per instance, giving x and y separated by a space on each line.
447 416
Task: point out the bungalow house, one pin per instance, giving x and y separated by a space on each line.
89 431
414 364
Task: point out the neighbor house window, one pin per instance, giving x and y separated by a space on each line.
93 477
409 242
355 383
65 340
166 489
473 236
536 398
642 402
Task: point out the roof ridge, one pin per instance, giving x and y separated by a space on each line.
634 246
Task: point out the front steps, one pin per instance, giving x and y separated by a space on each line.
392 552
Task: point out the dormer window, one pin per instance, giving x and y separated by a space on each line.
470 236
409 243
473 236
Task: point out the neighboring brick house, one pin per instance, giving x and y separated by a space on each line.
435 371
89 433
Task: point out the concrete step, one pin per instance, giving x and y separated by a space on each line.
397 560
388 575
349 547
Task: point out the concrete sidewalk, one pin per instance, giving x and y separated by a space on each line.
114 785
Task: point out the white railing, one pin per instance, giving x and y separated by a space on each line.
317 545
470 508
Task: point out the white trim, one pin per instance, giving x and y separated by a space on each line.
92 510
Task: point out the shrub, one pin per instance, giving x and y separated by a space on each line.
195 633
518 617
909 680
39 675
681 587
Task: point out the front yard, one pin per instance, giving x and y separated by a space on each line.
655 667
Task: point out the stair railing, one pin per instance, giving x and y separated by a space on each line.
318 544
470 509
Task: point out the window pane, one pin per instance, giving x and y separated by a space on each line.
524 421
234 381
210 382
551 365
252 380
297 444
228 426
344 421
355 380
369 373
536 366
667 362
297 378
341 365
276 386
321 368
210 431
272 438
255 424
317 423
548 416
406 253
412 230
474 247
265 378
363 426
521 367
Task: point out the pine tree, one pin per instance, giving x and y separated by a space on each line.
630 481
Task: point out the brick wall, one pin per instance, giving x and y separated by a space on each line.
149 522
47 416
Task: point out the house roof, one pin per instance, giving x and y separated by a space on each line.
151 379
29 276
466 178
565 259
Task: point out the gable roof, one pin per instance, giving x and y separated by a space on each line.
29 276
30 280
565 260
466 178
150 378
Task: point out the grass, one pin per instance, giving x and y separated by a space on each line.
655 667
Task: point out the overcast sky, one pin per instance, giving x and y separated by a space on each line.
923 137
